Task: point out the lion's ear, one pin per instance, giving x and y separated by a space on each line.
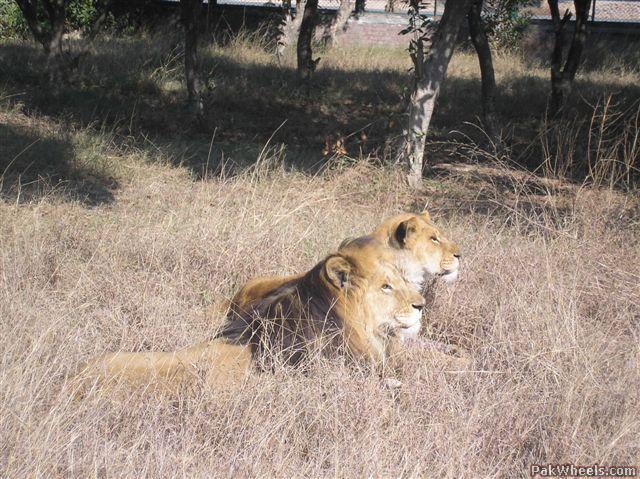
426 216
338 271
403 232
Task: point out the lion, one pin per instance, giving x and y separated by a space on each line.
410 242
421 249
349 301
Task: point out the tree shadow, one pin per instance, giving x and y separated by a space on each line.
35 165
124 89
510 197
134 89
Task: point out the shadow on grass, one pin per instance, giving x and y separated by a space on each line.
33 166
135 88
249 106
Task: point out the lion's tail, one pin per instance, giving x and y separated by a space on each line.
211 362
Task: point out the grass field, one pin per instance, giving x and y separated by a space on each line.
122 226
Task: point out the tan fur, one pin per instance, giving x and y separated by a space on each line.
350 300
168 372
420 248
417 255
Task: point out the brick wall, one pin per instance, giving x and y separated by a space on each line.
376 29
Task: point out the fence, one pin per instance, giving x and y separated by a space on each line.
624 11
433 7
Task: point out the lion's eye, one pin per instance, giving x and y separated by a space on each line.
386 288
435 239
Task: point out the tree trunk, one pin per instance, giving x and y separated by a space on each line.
562 78
49 36
360 4
104 8
56 10
306 63
429 75
483 50
289 28
390 6
191 10
338 23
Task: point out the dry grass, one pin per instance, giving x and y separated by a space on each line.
548 303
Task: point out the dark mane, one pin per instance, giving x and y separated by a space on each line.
286 320
359 241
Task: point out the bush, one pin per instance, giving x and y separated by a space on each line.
505 21
81 15
12 24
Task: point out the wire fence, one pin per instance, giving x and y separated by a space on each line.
625 11
601 10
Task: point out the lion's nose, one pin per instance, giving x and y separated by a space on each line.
418 306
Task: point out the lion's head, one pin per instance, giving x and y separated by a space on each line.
421 249
377 302
353 295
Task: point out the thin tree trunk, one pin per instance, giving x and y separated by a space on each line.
55 61
191 10
306 63
579 38
360 6
556 54
562 78
483 50
338 23
57 14
429 76
289 28
103 7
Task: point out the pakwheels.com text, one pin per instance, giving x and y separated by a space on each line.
571 470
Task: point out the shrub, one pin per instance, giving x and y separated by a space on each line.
505 21
12 24
81 15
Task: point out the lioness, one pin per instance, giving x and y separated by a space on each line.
411 242
421 250
349 299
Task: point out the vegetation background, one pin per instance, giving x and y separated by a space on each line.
125 226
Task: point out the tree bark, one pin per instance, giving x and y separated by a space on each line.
103 7
390 6
191 11
289 28
562 78
49 36
338 23
429 76
56 10
306 63
483 50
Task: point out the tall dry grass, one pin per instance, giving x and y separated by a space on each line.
110 240
547 303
